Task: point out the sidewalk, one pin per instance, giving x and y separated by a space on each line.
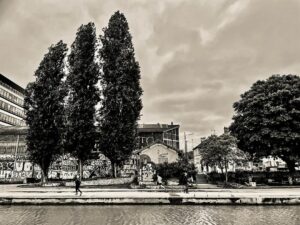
11 194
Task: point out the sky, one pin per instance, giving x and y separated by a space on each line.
196 56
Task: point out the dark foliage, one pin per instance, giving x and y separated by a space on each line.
176 170
44 108
83 94
267 119
260 177
121 94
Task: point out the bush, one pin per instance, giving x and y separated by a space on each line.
242 177
176 170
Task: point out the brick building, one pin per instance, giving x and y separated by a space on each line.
165 133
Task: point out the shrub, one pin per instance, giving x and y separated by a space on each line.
176 170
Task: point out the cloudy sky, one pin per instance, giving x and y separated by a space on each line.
196 56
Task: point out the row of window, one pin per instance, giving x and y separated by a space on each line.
12 109
11 149
149 140
9 96
11 89
170 143
146 140
170 136
11 120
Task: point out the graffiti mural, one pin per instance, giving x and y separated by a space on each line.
100 167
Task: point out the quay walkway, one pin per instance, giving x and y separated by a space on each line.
13 194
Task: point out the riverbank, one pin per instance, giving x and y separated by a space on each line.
12 194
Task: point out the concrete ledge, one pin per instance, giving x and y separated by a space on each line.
155 200
10 195
103 182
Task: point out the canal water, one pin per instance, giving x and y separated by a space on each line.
149 214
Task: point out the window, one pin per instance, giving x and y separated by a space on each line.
162 159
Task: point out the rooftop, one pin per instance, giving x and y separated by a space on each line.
156 127
12 84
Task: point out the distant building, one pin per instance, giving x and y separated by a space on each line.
158 153
154 154
264 164
16 166
14 161
159 141
165 133
11 103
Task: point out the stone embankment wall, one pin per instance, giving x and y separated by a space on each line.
104 182
146 201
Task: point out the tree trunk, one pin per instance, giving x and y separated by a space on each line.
291 167
80 169
226 174
114 167
222 172
43 177
32 175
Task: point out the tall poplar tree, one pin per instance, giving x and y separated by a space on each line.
44 109
121 92
83 95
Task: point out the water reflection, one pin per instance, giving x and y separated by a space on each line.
134 215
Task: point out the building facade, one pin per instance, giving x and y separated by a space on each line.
165 133
16 166
14 163
158 153
12 111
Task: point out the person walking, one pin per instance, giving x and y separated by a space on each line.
77 186
159 182
185 182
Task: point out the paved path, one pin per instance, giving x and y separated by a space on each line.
61 192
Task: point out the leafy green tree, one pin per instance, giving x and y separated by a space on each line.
44 109
83 95
220 151
121 92
267 119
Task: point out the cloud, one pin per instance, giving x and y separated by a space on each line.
227 47
196 57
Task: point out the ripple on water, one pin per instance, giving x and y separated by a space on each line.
162 215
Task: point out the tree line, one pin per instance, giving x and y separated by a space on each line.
266 123
67 112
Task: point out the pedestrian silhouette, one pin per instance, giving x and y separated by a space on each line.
159 182
77 185
185 182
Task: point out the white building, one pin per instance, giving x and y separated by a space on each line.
11 103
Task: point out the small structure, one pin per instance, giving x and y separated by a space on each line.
154 154
158 153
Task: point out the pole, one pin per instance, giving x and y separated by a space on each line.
185 146
16 153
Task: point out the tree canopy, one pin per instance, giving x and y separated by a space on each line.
267 119
83 94
121 91
220 151
44 104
